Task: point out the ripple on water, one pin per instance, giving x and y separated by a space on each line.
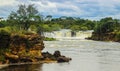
86 56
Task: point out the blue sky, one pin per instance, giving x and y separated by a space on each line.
88 9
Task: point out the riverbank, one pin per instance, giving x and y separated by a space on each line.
13 64
47 58
105 37
4 65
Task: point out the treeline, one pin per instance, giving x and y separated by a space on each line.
24 19
64 22
107 29
27 18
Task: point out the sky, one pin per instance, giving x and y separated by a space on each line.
87 9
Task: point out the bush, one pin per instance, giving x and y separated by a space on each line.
117 36
4 39
2 58
5 30
49 39
33 28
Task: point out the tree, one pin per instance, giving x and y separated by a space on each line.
55 27
25 16
75 28
48 18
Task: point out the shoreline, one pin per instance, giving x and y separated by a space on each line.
12 64
3 65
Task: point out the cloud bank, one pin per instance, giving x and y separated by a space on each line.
88 9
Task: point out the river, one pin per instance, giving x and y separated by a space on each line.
86 55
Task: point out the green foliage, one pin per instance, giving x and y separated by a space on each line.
75 24
107 19
75 28
2 51
46 28
33 28
4 39
49 39
89 25
5 31
3 24
107 29
117 37
4 42
55 27
2 58
84 28
24 16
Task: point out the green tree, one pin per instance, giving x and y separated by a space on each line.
75 28
55 27
25 16
48 18
46 28
3 23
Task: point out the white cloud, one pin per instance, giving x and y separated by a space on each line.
77 8
9 2
45 6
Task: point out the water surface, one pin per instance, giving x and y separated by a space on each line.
86 55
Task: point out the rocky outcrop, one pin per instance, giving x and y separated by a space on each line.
27 48
104 37
55 57
23 48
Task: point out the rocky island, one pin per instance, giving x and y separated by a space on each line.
27 48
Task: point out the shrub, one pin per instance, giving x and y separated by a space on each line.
2 58
49 39
117 36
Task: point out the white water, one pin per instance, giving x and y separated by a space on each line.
66 34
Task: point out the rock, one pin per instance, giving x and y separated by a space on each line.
12 56
27 48
63 59
57 53
56 57
60 58
47 55
25 59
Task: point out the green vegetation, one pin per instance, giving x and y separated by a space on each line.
4 40
49 39
75 24
107 29
28 19
24 17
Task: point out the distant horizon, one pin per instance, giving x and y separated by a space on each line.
85 9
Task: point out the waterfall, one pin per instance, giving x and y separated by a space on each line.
68 34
